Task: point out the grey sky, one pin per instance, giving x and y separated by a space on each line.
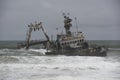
98 19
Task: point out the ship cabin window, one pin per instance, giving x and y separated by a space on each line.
75 41
82 40
79 40
66 43
62 44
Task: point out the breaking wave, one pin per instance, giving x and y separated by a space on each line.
115 49
60 67
23 52
32 64
42 51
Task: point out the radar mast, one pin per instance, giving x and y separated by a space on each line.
67 23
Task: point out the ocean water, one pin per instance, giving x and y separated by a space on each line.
33 64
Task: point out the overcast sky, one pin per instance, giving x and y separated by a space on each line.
97 19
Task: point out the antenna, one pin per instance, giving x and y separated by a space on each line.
64 14
57 30
76 24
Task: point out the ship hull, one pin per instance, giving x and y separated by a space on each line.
84 52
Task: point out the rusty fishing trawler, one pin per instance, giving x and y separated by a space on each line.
69 43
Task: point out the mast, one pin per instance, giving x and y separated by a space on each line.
67 23
76 24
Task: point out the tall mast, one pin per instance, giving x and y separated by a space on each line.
76 24
67 23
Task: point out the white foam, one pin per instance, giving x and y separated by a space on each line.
116 49
59 68
43 51
63 72
68 78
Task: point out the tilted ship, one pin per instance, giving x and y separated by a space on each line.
70 43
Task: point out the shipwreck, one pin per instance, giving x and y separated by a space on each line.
68 43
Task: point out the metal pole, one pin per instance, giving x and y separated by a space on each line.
76 24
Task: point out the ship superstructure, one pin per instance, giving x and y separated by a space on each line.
70 39
74 40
